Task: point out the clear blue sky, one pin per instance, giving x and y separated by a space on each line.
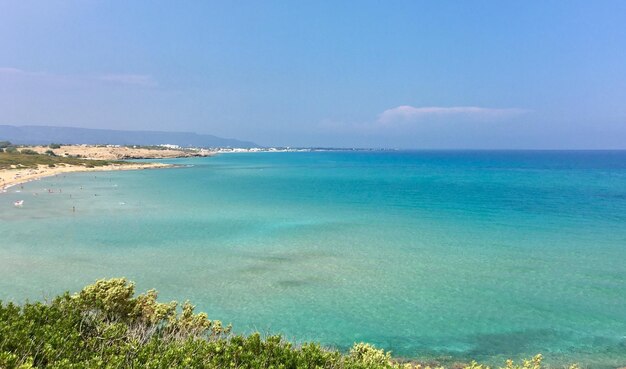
406 74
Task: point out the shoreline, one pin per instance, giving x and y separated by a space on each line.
79 157
14 177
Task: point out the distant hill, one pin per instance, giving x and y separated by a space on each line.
43 135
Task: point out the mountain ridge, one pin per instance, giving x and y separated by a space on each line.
42 135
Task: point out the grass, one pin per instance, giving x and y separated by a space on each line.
30 159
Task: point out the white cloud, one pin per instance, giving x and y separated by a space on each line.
405 119
8 70
16 72
130 79
407 113
142 80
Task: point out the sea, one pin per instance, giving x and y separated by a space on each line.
440 255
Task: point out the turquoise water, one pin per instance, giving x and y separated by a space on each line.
451 255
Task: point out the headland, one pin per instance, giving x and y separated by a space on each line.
26 163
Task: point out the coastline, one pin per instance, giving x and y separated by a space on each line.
14 177
114 152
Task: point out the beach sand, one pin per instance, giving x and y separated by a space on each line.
15 176
12 177
101 152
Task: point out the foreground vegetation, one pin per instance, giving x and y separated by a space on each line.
107 326
26 158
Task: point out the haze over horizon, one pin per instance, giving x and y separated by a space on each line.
399 74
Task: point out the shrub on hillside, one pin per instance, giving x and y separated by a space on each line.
106 326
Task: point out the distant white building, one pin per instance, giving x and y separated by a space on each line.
170 146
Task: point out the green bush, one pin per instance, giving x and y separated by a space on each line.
54 146
29 152
106 326
4 144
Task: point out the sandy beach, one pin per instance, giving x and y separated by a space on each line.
12 177
15 175
101 152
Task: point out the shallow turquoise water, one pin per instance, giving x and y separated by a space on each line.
429 254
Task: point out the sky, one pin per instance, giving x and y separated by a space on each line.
383 74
